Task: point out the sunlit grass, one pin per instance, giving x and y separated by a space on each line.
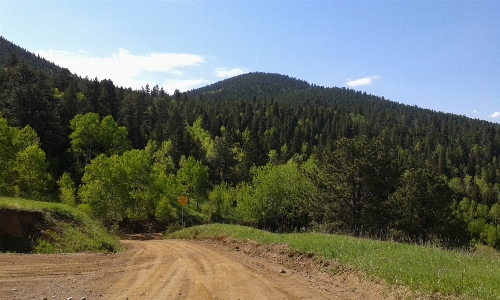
70 230
428 269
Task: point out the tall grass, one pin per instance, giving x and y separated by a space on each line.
427 269
69 229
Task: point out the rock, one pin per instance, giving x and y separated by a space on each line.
83 298
282 271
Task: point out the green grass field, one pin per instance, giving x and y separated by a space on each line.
69 229
426 269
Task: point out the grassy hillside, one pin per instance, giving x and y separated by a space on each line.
42 227
429 269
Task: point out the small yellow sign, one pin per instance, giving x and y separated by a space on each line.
182 200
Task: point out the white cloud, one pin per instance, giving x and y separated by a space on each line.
362 81
224 73
474 112
126 69
495 115
183 84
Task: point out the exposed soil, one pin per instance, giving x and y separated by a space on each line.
19 230
180 269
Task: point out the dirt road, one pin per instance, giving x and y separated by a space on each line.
171 269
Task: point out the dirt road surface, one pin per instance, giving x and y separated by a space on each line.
175 269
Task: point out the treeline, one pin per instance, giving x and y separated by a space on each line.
261 149
10 52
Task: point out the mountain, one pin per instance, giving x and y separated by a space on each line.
233 127
280 111
247 86
7 49
304 114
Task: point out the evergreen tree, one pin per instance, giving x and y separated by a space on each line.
422 207
355 182
28 100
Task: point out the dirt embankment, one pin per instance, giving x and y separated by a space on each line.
19 230
179 269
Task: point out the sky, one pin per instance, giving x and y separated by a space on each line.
440 55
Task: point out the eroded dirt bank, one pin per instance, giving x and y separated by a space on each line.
19 230
179 269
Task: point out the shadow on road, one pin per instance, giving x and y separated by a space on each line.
142 236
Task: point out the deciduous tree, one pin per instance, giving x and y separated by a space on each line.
32 179
194 176
90 136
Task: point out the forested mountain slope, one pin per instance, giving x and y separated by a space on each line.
360 154
7 49
455 145
247 86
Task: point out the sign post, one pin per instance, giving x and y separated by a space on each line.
182 201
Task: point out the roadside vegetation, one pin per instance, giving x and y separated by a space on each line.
262 150
425 268
61 229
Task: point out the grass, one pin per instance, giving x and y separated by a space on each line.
69 230
427 269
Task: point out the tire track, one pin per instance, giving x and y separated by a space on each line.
187 270
161 269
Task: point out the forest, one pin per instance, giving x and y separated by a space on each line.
264 150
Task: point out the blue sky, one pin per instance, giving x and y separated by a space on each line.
441 55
